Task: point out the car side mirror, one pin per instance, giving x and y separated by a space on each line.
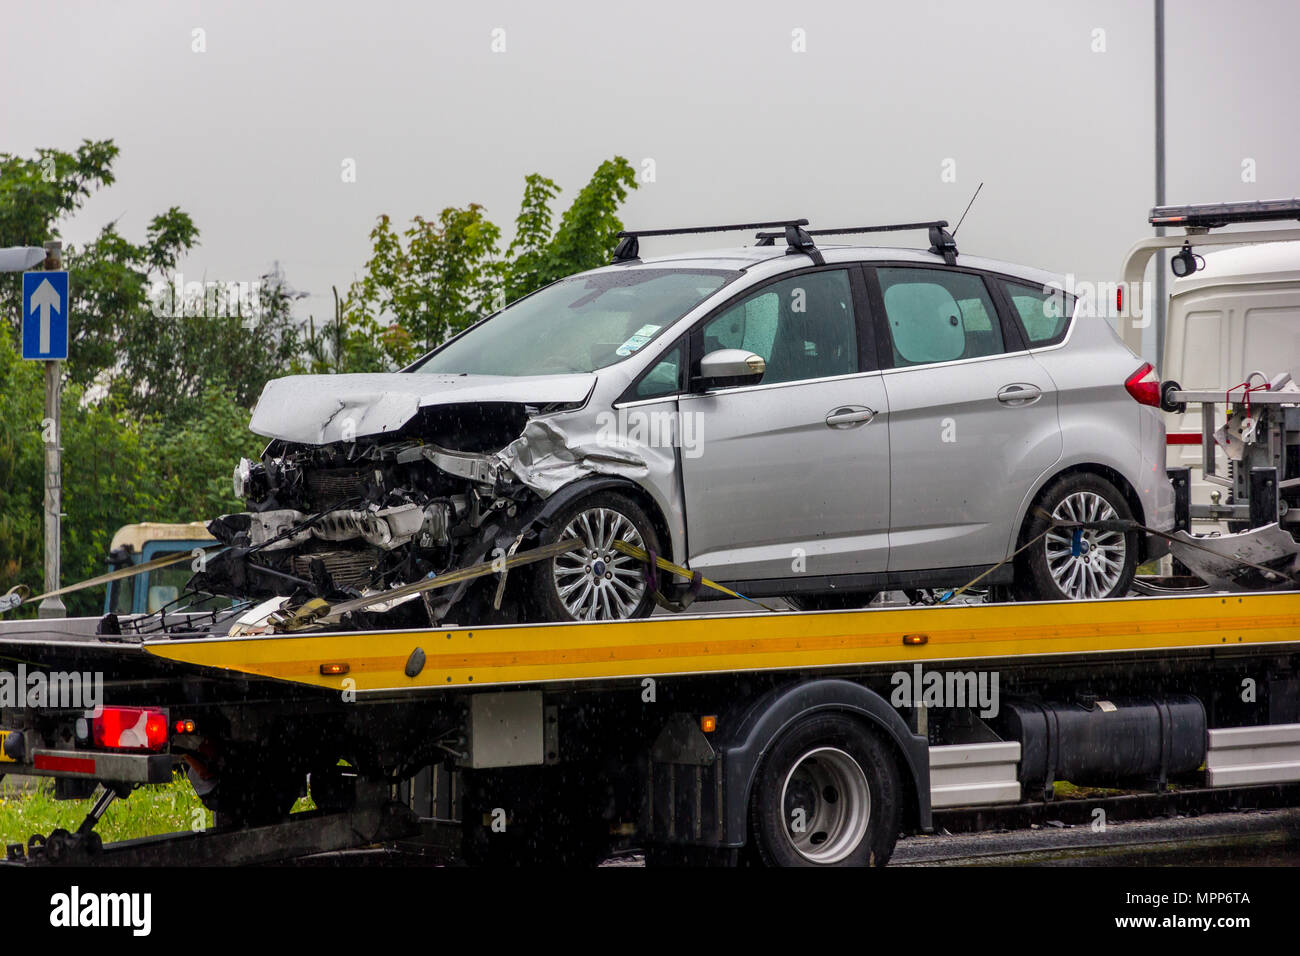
729 367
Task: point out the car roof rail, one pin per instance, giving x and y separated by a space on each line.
941 241
798 239
1213 215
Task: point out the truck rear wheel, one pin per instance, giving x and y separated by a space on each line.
828 794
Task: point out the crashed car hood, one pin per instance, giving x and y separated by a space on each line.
318 409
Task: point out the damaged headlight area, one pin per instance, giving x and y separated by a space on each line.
353 518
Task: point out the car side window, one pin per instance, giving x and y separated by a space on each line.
938 316
663 377
1043 313
802 327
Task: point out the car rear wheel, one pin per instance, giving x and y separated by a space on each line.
1078 564
597 582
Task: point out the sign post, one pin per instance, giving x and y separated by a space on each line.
45 338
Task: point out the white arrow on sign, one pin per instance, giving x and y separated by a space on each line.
45 298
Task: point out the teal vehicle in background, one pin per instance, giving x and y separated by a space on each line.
134 544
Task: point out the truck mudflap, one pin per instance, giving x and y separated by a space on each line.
699 786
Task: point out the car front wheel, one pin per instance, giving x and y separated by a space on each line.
596 582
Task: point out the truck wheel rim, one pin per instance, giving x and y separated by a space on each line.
1095 570
826 805
598 583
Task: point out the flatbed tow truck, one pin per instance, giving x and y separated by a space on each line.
787 738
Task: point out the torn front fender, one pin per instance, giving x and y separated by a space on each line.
546 457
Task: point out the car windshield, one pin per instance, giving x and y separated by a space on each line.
579 324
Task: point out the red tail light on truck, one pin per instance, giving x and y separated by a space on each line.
130 728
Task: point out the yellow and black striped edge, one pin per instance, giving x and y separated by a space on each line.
472 657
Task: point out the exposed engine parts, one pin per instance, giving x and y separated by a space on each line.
351 518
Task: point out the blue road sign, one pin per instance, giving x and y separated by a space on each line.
45 315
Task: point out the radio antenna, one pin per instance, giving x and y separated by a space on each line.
968 205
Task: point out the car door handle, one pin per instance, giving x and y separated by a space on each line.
1019 393
846 416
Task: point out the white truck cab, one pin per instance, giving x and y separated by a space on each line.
1233 310
1237 315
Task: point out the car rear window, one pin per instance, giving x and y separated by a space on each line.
1043 313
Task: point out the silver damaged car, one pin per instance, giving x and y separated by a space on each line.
818 423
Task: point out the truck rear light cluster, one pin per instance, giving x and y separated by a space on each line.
1144 386
130 728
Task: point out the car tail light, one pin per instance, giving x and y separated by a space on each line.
1144 386
131 728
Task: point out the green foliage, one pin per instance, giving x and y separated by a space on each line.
35 193
118 468
191 463
151 810
171 362
21 468
433 284
106 480
437 278
152 353
349 342
528 250
586 236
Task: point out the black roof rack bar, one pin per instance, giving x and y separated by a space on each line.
941 241
695 230
899 227
1215 215
854 230
629 248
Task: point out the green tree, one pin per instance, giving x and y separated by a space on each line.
352 341
107 480
155 354
586 238
528 250
423 286
435 283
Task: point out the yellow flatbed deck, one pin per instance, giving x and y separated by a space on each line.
701 644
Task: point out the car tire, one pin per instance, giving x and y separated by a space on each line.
829 793
1105 562
606 585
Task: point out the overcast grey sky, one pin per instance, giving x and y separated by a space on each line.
251 135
